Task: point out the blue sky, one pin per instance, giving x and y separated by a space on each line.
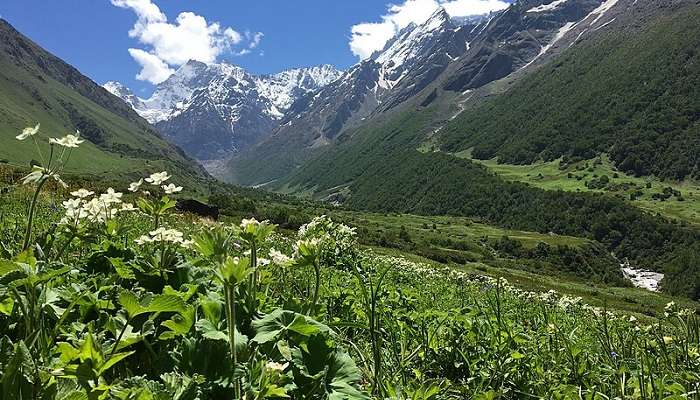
263 36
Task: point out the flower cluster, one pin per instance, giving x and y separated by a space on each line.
336 243
673 310
156 179
85 206
279 258
164 235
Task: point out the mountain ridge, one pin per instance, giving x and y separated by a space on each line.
212 110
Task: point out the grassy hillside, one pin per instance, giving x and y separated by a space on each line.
633 92
673 200
37 87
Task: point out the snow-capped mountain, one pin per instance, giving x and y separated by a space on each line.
212 110
407 64
443 55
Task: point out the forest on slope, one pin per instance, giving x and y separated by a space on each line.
633 93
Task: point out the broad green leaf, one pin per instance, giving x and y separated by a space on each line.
212 307
18 376
75 395
209 331
130 303
302 326
166 303
180 324
113 360
90 351
6 305
160 303
271 326
7 266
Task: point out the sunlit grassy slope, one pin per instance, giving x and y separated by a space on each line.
644 192
37 87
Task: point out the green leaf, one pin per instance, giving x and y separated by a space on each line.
160 303
131 304
209 331
113 361
212 307
6 305
326 372
75 395
275 324
303 327
180 324
89 351
234 271
7 266
166 303
123 269
18 377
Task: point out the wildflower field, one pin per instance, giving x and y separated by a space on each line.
113 295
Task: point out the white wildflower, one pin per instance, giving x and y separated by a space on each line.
95 210
158 178
134 186
252 222
279 258
72 204
171 189
143 239
68 141
166 235
27 132
128 207
39 173
111 197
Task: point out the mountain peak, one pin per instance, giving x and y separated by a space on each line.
440 14
116 88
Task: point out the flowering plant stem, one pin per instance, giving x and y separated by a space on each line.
32 209
231 317
253 280
317 272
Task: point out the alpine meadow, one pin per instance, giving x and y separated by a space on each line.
423 200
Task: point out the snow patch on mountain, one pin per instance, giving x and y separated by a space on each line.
598 13
602 10
547 7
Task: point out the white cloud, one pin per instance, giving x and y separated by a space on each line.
153 69
255 39
168 45
368 37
